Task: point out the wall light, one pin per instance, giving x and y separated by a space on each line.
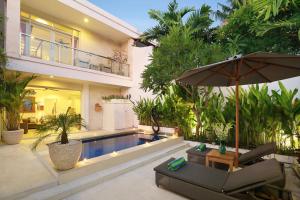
86 20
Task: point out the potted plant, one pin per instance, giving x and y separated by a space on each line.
221 131
64 153
13 91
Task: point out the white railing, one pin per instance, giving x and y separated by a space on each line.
60 53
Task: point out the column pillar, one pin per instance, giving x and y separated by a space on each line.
12 35
85 104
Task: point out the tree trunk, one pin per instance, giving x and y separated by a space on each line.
198 121
64 138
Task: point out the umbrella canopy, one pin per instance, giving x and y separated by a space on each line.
253 68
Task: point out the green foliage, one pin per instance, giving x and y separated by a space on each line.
172 110
143 110
197 20
60 124
13 91
249 26
177 52
110 97
288 112
263 25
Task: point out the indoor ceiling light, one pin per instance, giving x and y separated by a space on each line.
51 76
42 21
86 20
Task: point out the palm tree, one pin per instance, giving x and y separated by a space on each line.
226 10
60 124
172 17
199 23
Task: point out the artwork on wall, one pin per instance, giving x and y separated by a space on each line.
28 105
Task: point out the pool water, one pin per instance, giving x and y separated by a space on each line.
100 146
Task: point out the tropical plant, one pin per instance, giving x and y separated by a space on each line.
198 20
222 130
177 52
13 91
60 124
278 14
288 112
263 25
110 97
225 10
166 20
142 109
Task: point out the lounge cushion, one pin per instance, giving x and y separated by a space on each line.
210 178
258 152
268 170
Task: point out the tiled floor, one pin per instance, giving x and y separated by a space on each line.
135 185
21 171
140 184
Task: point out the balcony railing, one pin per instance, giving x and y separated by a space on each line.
60 53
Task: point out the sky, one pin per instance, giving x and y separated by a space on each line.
135 12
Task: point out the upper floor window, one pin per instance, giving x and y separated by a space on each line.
42 38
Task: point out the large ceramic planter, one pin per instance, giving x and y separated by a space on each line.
12 137
65 156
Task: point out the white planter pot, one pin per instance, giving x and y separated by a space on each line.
12 137
65 156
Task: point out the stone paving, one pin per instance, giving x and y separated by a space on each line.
21 171
140 184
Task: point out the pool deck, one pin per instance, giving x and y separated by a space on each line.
23 173
140 184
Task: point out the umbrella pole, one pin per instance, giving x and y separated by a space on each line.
236 122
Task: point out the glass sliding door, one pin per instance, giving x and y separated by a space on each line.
46 40
63 51
40 47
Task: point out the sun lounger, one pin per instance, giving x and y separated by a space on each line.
199 182
256 154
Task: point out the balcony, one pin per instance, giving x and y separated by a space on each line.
60 53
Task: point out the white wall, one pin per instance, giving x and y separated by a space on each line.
96 94
140 58
12 27
291 84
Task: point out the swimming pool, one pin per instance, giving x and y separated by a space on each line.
104 145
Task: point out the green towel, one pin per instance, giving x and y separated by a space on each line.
176 164
201 147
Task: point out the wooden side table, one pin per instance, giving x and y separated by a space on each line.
215 156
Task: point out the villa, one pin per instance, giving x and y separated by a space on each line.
80 54
76 121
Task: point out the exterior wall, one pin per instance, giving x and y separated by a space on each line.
12 27
140 58
291 84
97 44
96 94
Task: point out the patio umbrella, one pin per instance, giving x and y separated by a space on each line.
253 68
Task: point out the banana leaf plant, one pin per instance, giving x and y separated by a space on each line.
13 91
288 112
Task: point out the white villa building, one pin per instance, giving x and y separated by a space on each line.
79 52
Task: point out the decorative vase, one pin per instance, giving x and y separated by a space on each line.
222 147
